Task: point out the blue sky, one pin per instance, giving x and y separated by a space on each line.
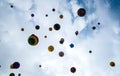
104 41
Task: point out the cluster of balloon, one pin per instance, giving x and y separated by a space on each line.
33 39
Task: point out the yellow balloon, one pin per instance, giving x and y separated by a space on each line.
11 66
112 64
50 48
33 40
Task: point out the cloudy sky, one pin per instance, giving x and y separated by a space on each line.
92 52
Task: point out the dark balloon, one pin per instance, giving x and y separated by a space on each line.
53 9
73 69
51 48
90 51
22 29
61 54
112 64
61 16
16 65
50 28
72 45
32 15
61 41
76 33
33 40
37 27
93 27
12 74
81 12
57 27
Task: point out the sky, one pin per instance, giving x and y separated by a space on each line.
103 41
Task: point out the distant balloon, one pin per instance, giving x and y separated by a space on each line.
22 29
76 33
37 27
90 51
93 27
57 27
53 9
19 74
112 64
40 66
15 65
45 36
72 45
33 40
61 53
61 16
81 12
98 23
11 6
61 41
46 15
50 28
32 15
12 74
50 48
73 69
